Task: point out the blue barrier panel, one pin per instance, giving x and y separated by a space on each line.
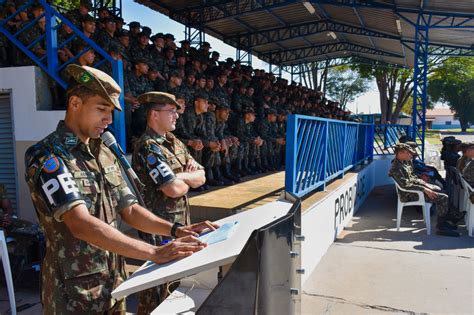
387 135
318 150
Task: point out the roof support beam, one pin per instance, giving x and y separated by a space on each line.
213 10
290 55
279 34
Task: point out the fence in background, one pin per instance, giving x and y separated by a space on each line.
319 150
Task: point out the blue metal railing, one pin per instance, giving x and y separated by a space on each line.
50 61
386 135
319 150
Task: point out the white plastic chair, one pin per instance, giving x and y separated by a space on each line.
8 272
426 206
469 206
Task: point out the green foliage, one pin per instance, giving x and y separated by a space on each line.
452 83
67 4
344 85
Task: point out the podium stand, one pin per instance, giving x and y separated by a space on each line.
264 277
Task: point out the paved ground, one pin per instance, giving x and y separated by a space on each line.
373 269
464 137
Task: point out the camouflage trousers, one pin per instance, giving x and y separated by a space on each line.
271 153
441 202
197 155
210 158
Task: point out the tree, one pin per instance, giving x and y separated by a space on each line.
344 85
452 82
395 87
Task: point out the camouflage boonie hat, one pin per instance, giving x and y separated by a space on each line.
158 98
97 81
404 146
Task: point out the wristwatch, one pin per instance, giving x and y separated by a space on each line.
174 228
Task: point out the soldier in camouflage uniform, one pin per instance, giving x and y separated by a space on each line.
166 169
403 175
78 192
462 161
106 37
468 170
193 119
211 154
271 149
75 16
229 143
137 82
140 50
248 162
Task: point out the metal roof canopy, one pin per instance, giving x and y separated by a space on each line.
287 33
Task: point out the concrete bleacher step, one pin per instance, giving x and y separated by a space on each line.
225 201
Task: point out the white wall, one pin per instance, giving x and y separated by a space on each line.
29 91
30 123
441 120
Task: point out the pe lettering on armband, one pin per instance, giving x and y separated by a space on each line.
57 183
160 173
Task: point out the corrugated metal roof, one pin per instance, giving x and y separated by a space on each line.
360 26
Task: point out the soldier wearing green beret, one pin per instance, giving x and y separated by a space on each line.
78 191
403 175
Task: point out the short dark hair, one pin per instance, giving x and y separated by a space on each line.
80 91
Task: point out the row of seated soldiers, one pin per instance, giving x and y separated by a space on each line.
150 65
412 174
464 162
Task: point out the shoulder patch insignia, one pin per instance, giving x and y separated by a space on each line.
151 159
51 165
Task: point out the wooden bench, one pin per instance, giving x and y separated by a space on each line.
222 202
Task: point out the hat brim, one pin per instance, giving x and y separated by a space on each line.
95 85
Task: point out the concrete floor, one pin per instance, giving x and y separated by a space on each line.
373 269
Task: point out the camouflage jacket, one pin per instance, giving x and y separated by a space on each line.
157 159
462 162
402 173
267 131
137 85
245 132
210 126
137 52
468 174
194 124
62 172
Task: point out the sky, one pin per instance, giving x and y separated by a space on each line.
367 103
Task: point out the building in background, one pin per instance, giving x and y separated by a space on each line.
441 118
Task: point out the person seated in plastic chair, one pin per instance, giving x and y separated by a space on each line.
427 173
468 170
464 159
402 173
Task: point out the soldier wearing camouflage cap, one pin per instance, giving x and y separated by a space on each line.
78 192
167 170
405 178
462 161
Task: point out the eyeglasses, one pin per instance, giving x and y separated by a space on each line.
170 111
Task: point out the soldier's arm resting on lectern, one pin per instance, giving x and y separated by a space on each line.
94 231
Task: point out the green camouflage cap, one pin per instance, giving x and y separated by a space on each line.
97 81
404 146
158 98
